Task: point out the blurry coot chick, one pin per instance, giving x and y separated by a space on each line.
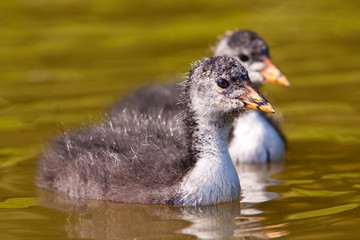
255 138
146 159
253 52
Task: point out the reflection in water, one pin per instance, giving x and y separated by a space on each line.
107 220
254 179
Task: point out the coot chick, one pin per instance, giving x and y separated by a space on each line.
147 159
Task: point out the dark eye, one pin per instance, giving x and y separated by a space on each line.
222 83
243 57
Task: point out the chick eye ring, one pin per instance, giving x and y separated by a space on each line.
222 83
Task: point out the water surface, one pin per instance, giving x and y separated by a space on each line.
63 63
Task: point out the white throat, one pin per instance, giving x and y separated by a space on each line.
255 140
213 178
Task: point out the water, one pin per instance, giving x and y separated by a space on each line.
62 63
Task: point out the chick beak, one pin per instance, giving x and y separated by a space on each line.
253 100
272 74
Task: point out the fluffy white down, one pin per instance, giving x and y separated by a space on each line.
214 178
255 140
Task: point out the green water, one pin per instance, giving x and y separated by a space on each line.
64 62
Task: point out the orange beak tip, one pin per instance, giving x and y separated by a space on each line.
268 109
273 75
284 81
253 100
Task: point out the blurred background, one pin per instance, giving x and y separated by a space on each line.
64 62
